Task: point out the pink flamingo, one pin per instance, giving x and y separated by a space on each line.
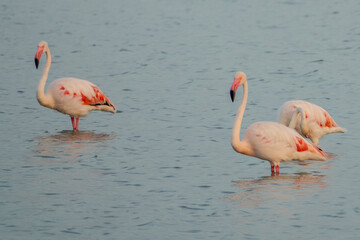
317 123
270 141
72 96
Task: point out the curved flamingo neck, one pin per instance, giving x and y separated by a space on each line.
295 121
44 99
237 144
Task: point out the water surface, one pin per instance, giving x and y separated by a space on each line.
162 167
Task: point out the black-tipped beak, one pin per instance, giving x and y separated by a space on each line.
232 95
36 63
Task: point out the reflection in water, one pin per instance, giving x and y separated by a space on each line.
68 145
255 192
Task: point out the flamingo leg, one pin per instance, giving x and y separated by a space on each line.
275 170
77 124
72 122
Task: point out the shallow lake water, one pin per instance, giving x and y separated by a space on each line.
162 167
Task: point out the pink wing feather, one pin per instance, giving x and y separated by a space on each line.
95 97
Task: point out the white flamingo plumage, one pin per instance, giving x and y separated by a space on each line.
270 141
318 121
72 96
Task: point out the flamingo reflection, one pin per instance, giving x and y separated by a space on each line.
254 192
68 145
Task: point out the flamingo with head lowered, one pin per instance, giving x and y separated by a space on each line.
318 121
270 141
72 96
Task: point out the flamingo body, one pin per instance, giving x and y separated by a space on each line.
318 120
270 141
275 143
77 97
71 96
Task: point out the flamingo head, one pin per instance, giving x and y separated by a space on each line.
239 79
306 131
304 128
41 48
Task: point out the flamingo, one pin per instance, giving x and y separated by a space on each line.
318 121
270 141
72 96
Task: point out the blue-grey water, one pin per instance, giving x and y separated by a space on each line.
162 167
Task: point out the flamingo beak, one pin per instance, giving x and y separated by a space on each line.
36 63
232 95
234 88
38 54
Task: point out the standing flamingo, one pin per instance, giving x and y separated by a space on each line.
318 120
270 141
72 96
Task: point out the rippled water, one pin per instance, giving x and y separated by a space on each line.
162 167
